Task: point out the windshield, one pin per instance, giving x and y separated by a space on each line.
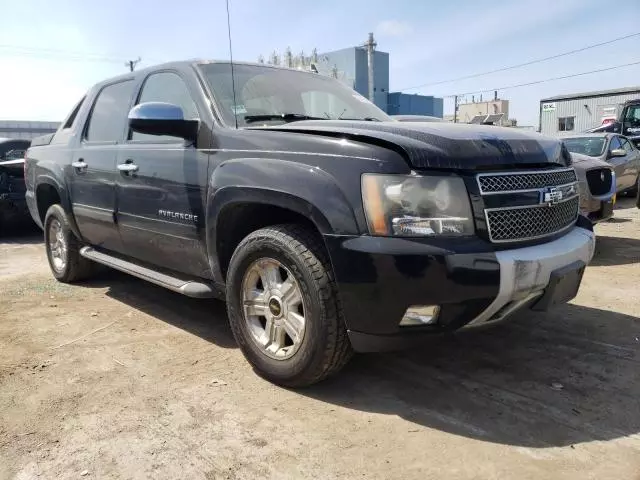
592 146
632 116
262 92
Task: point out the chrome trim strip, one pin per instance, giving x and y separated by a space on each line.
537 205
529 190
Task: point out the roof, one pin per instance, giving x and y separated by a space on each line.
193 62
595 93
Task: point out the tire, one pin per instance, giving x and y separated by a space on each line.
324 347
65 261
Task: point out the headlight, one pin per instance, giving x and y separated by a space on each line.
416 206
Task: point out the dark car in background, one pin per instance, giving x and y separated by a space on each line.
13 206
616 150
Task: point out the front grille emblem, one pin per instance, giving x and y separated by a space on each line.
552 195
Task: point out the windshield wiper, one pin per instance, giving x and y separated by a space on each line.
287 117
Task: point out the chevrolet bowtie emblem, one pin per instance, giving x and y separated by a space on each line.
552 195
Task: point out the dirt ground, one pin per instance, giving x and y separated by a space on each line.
118 378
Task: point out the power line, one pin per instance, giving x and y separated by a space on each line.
48 52
544 80
511 67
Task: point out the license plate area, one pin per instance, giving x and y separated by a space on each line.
563 286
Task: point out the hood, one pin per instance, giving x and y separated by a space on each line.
445 145
585 162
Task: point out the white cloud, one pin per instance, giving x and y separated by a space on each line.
394 28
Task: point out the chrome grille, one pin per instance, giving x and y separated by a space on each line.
509 182
526 223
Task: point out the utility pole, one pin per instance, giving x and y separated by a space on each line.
132 64
371 45
455 109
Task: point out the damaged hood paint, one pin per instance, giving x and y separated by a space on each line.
445 145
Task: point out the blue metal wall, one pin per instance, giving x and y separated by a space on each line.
352 65
405 104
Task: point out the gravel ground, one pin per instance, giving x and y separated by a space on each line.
118 378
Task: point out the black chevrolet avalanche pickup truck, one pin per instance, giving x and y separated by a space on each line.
326 226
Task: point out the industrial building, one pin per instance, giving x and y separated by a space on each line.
405 104
351 66
495 112
567 114
26 129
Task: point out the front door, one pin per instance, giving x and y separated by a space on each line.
92 174
162 185
619 164
632 167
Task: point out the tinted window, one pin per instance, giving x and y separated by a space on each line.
74 113
110 111
615 144
169 88
626 144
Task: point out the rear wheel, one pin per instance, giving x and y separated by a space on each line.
283 306
63 248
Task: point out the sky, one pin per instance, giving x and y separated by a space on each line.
52 52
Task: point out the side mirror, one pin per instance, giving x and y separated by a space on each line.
158 118
618 152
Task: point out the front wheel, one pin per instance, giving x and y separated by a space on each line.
283 306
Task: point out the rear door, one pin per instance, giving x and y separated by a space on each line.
161 204
93 170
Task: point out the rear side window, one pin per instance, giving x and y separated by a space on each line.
72 116
110 111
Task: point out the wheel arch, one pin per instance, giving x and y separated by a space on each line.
250 193
48 192
238 211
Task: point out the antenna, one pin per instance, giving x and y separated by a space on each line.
132 64
233 77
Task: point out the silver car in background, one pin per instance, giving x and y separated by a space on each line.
597 187
616 150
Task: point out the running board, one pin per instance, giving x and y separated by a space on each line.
190 288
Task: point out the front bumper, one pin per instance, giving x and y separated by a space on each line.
380 278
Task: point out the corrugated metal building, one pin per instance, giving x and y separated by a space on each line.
352 65
26 129
568 114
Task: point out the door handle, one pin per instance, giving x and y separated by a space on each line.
80 164
128 167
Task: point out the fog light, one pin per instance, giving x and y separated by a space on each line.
420 315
